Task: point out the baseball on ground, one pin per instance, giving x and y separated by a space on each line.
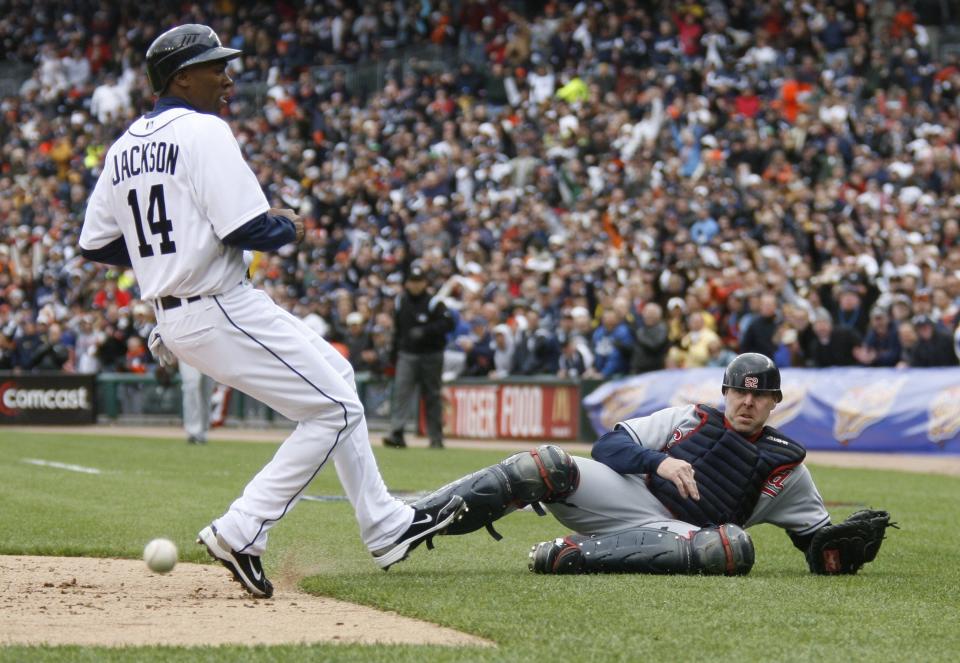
160 555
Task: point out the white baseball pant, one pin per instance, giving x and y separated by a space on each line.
241 338
197 389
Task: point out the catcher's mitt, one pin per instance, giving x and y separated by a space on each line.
847 546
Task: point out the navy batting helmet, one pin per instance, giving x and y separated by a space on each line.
753 371
182 47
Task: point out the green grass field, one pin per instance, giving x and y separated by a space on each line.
902 607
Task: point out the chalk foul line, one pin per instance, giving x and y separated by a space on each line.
61 466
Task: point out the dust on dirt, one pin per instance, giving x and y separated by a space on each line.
119 602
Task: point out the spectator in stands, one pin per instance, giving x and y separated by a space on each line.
729 327
109 294
696 342
719 355
881 347
29 340
789 348
907 335
901 309
573 362
8 347
52 354
851 311
503 351
611 345
480 347
934 345
846 155
831 345
381 365
110 101
651 344
537 351
137 359
676 320
112 341
361 354
758 336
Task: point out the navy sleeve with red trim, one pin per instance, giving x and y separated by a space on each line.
802 541
620 452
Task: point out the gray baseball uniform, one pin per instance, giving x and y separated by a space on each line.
608 500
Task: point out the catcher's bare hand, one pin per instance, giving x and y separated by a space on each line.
680 472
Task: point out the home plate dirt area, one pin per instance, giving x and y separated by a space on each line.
117 602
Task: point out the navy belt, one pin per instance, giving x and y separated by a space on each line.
167 302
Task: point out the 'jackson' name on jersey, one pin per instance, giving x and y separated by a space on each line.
153 157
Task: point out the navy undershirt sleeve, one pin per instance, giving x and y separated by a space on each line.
266 232
114 253
620 452
802 541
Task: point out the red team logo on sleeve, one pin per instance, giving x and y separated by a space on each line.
677 436
775 483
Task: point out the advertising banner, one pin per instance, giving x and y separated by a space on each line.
511 411
52 398
860 409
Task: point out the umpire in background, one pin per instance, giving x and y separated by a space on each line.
421 325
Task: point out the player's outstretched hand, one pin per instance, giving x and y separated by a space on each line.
294 217
680 472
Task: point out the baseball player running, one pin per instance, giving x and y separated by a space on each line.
672 492
177 202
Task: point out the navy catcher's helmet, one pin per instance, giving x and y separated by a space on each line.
753 371
181 47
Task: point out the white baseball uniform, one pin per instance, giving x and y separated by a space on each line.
196 389
173 187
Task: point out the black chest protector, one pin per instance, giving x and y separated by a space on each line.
730 470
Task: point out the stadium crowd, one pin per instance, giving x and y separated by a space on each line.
595 188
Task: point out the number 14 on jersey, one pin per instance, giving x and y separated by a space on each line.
157 221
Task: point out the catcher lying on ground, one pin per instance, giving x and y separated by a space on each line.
672 492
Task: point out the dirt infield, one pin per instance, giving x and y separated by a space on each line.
119 602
